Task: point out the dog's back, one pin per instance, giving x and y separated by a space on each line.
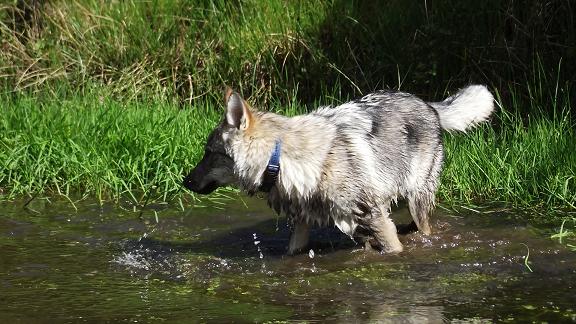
389 140
384 145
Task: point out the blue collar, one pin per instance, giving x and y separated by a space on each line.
272 169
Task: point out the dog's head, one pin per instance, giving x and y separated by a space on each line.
216 169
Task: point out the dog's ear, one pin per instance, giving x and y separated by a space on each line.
238 112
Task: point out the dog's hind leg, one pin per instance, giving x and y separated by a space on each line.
420 206
384 236
299 238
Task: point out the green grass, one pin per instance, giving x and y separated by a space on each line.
115 98
526 162
566 233
90 145
158 48
277 49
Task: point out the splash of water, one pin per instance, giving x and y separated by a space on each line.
311 256
257 243
134 260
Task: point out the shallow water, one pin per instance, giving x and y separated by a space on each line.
225 263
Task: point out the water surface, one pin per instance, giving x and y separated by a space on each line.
225 262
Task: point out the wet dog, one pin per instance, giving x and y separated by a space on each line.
341 165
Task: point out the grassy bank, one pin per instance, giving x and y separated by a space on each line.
279 49
524 161
91 145
115 98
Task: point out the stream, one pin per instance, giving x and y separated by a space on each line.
225 262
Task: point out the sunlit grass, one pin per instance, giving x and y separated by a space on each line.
91 145
523 162
161 49
105 148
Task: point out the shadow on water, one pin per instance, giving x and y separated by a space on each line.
226 263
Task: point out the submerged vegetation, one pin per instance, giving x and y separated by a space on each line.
116 98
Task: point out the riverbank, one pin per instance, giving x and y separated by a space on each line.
115 99
90 145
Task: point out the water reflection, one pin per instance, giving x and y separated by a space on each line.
104 263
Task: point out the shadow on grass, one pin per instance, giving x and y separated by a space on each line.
428 48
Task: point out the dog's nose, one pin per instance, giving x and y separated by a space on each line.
187 182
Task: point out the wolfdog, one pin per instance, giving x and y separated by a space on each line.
341 165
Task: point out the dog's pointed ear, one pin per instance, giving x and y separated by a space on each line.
238 112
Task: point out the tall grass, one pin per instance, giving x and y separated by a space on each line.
527 162
116 97
91 145
177 49
279 49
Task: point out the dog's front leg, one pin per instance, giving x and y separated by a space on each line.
299 238
385 235
378 230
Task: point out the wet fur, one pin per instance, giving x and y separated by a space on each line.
343 165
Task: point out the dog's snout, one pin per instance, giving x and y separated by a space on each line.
187 182
198 184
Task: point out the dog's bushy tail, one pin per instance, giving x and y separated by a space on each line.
468 107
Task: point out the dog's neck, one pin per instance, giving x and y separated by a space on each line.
272 169
304 149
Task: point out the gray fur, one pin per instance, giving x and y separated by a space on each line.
343 165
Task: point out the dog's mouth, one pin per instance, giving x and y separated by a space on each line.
204 190
207 189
